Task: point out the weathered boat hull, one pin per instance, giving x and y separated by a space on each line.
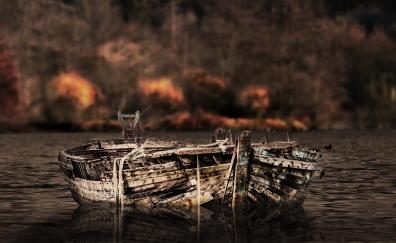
170 188
269 180
153 173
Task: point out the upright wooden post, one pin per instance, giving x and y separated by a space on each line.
241 170
198 200
239 198
198 184
230 171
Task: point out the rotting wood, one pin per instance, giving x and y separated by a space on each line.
240 192
241 170
198 184
287 163
230 170
209 169
155 172
296 173
280 175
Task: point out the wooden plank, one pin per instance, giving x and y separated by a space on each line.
152 170
241 170
149 170
188 197
198 185
209 176
275 145
240 195
68 155
263 192
302 174
202 150
280 175
281 182
208 169
94 191
162 188
190 151
289 193
207 182
151 180
287 163
263 183
159 185
231 168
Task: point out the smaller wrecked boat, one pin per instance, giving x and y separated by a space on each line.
152 172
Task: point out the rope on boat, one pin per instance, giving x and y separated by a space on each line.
120 183
198 184
198 200
222 144
118 166
115 179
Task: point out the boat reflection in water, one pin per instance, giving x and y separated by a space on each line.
109 224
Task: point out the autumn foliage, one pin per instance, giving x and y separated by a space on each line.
301 64
161 90
72 85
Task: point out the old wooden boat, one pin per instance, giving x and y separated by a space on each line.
151 172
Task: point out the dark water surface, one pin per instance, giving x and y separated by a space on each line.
355 201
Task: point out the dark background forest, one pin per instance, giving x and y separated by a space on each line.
262 64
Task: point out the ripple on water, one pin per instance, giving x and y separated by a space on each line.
355 201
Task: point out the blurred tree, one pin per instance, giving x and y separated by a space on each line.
330 62
9 82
